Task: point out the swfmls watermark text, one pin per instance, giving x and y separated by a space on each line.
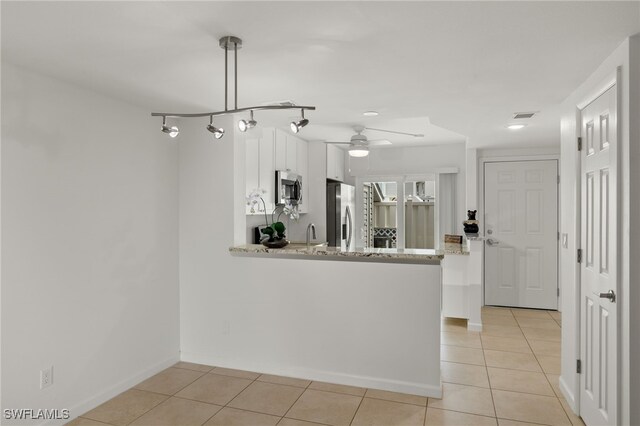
36 414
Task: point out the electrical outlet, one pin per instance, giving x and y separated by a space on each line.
46 377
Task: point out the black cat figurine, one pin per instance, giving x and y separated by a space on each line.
471 214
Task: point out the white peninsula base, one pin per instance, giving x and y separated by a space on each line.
367 324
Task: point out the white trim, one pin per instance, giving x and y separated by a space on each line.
95 400
569 396
414 388
613 79
492 159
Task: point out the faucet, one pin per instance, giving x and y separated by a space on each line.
311 227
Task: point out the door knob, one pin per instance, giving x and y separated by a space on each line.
611 295
492 242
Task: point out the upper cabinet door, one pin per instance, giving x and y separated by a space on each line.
267 170
302 168
280 150
252 166
292 149
335 163
340 164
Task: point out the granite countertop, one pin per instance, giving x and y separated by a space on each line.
425 256
454 248
391 255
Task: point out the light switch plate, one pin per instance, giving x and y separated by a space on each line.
565 240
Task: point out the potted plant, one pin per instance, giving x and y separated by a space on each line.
273 235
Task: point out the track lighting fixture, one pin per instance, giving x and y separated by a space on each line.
172 131
218 133
297 125
230 43
245 125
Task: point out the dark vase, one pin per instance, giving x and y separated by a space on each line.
275 243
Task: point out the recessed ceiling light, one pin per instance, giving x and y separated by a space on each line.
370 113
515 126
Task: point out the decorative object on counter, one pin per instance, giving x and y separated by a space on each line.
457 239
471 224
274 234
231 43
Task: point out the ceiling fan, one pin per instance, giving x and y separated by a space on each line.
359 143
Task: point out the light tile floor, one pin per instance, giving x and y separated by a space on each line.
505 376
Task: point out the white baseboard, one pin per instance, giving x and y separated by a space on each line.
414 388
472 326
568 395
93 401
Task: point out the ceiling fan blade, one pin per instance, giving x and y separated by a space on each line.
415 135
380 142
338 143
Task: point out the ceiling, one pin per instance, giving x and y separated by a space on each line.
454 71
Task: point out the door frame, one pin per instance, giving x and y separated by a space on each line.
613 79
481 196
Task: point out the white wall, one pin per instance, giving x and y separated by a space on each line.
89 244
629 163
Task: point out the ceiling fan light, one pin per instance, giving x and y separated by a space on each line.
358 151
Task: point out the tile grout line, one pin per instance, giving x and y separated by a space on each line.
546 377
486 370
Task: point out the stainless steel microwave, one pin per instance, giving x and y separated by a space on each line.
288 187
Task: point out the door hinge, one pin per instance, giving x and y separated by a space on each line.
579 255
558 236
578 366
558 178
579 144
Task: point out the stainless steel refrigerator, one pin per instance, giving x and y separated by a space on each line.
341 202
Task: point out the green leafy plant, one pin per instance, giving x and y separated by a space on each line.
276 230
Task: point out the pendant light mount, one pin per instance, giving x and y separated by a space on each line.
233 44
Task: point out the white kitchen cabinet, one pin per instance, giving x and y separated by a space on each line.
335 163
286 148
280 149
273 150
302 168
259 169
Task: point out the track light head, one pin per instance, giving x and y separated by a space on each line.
297 125
245 125
218 133
172 131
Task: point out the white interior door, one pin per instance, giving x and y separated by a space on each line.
598 322
521 226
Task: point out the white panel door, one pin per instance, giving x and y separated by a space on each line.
598 379
521 226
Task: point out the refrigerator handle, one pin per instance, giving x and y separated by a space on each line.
350 227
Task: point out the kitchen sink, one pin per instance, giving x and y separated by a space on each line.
295 245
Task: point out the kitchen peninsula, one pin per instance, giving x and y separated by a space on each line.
362 317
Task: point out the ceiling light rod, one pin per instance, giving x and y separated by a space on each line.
230 111
415 135
231 43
